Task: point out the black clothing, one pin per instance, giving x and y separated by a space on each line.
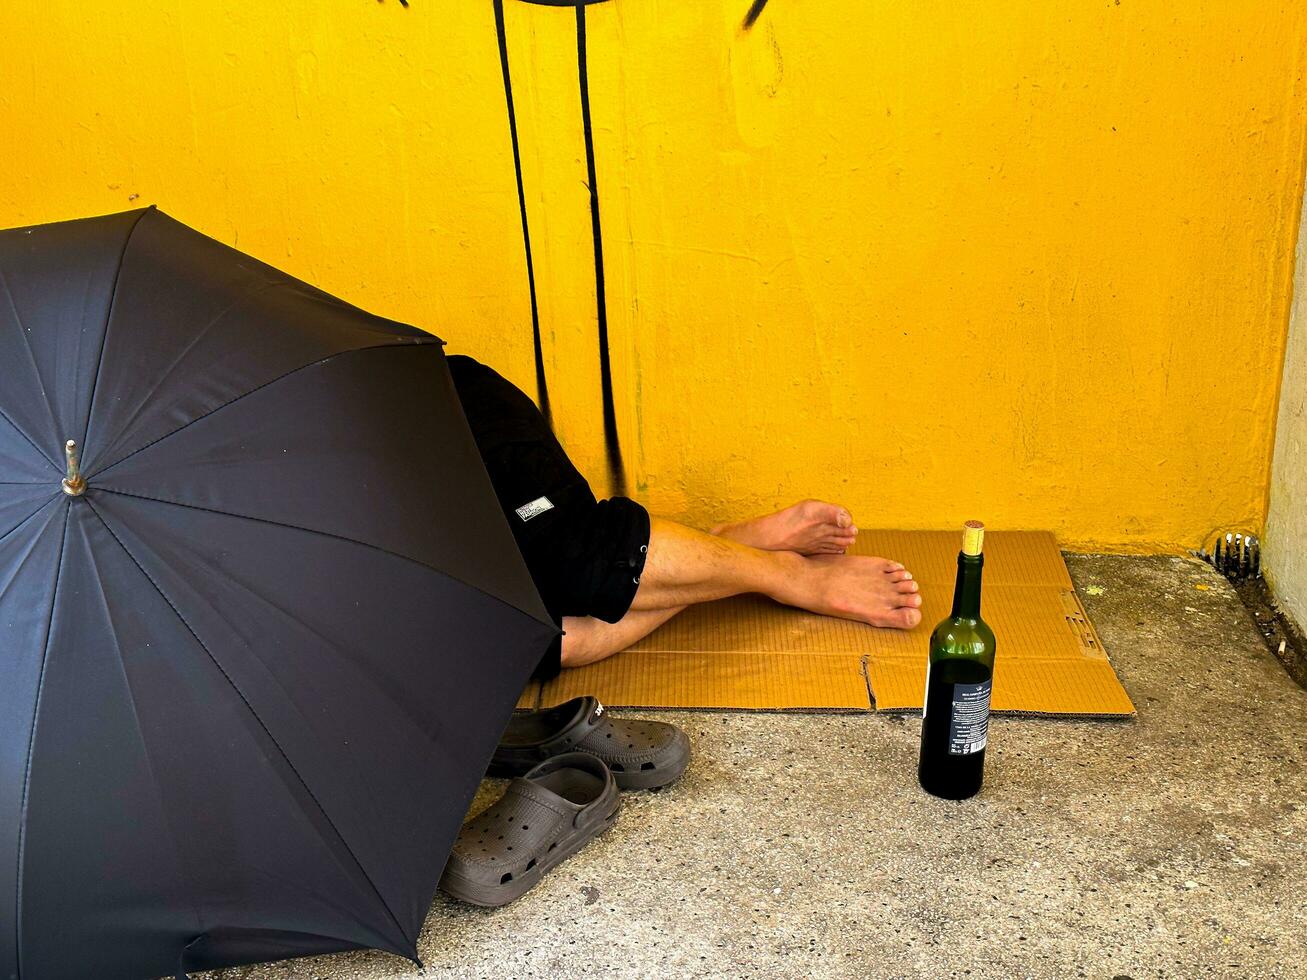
585 555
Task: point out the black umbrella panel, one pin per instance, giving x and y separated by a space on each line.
261 624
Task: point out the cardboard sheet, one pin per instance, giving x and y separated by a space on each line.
751 653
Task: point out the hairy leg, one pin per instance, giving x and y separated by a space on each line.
586 639
810 527
686 566
683 566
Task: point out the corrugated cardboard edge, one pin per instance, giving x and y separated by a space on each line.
744 680
537 695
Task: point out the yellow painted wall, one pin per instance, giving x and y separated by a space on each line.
1029 262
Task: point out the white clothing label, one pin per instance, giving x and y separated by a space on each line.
535 508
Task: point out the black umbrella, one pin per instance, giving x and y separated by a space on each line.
257 645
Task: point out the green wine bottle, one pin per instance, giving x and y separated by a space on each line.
959 674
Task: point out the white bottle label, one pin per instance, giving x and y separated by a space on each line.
969 727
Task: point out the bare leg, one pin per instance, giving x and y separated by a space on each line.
586 639
685 566
810 527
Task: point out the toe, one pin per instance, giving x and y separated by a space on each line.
907 585
903 619
821 512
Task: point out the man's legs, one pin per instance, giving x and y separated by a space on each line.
586 639
686 566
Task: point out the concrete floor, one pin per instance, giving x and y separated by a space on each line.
800 845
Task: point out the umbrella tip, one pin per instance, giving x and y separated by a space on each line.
74 485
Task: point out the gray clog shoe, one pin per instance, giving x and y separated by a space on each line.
542 819
641 754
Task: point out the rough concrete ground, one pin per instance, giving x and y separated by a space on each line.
800 845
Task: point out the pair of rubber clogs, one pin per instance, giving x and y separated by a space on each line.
568 764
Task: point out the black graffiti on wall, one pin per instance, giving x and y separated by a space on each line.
612 444
755 11
542 389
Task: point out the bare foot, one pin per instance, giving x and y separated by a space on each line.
810 527
870 590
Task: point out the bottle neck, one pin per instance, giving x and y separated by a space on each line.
966 593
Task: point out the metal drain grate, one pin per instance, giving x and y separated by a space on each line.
1235 555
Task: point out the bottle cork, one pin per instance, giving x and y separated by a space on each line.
973 536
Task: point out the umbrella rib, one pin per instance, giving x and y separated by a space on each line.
40 507
181 356
330 534
27 345
108 319
31 747
255 715
218 408
30 548
27 439
182 871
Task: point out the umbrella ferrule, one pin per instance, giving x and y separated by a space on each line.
74 484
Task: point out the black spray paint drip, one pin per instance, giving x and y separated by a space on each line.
612 445
755 11
616 472
542 390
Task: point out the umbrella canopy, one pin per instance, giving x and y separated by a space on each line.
257 646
